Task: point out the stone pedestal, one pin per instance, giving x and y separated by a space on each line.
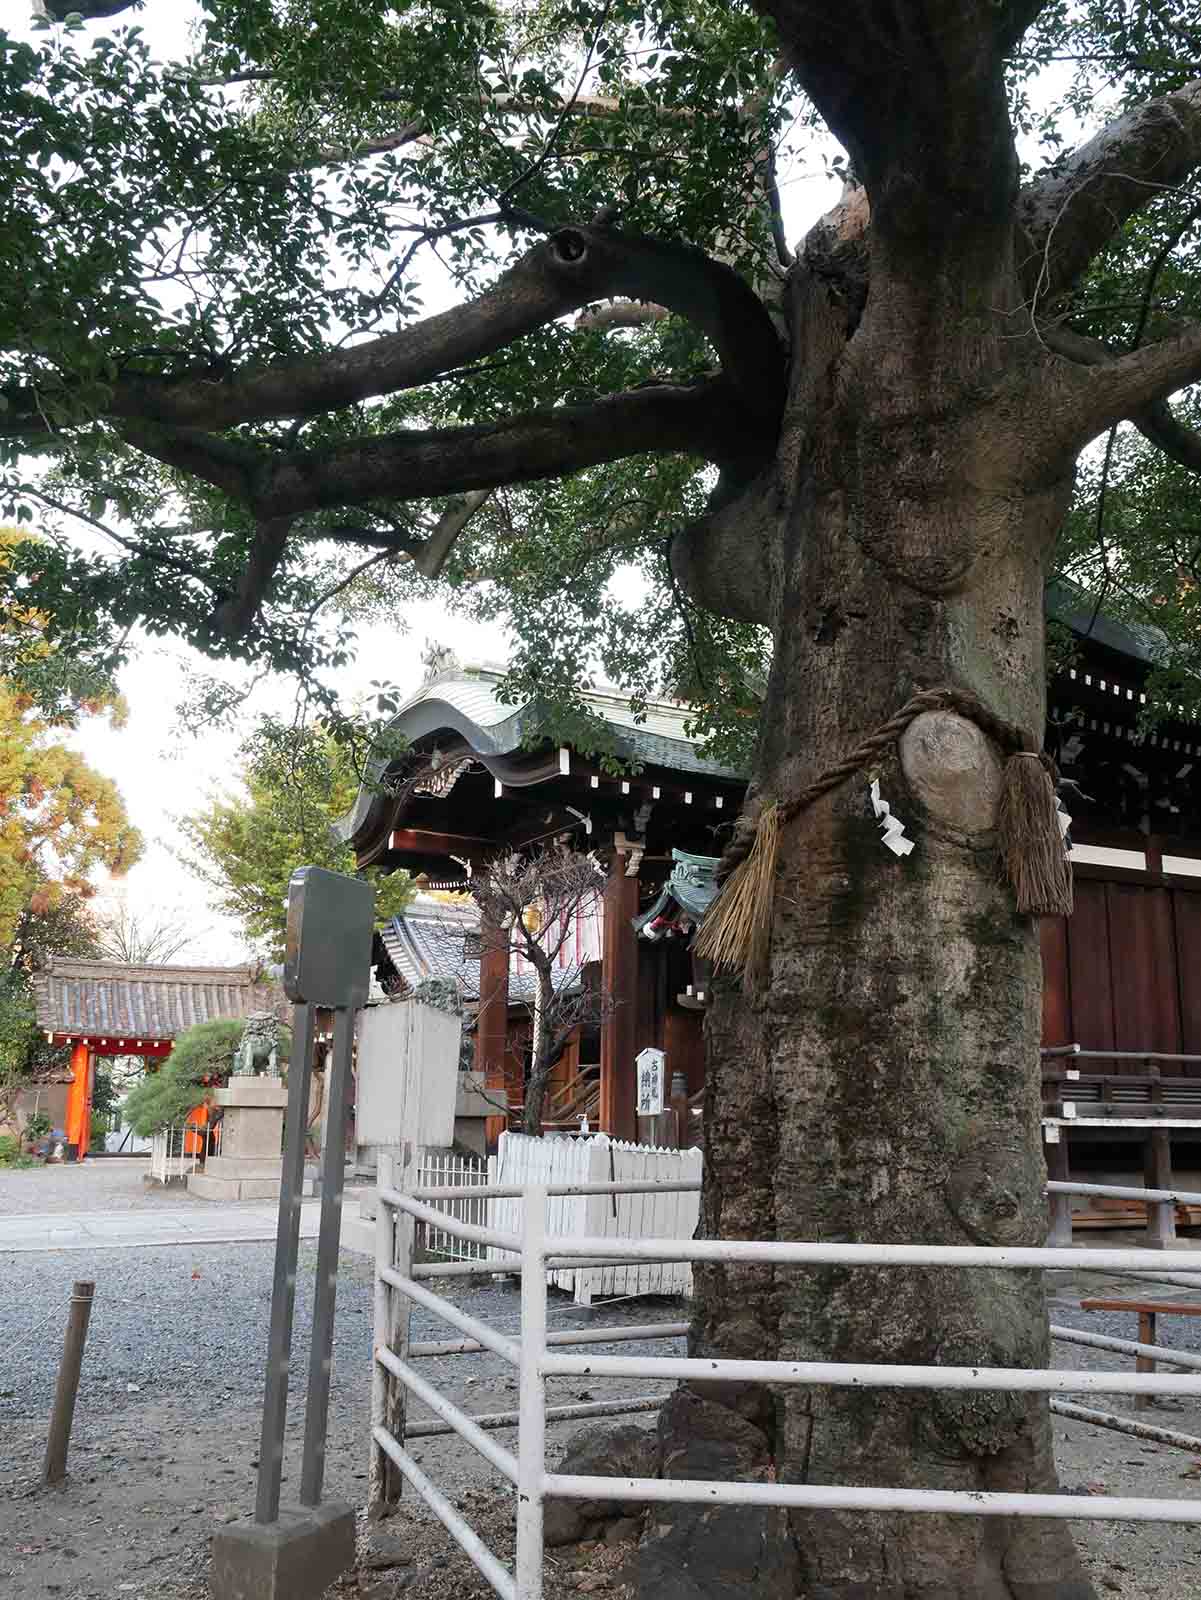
250 1166
296 1558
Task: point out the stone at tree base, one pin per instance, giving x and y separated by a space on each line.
623 1530
386 1550
623 1452
694 1552
296 1558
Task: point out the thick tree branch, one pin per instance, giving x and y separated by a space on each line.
707 419
431 555
233 617
915 90
336 155
1150 373
1070 215
722 560
620 314
1180 443
227 464
1156 422
576 266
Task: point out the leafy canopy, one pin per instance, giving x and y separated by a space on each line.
318 173
298 782
244 206
60 820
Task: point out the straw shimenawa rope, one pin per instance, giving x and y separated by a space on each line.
736 932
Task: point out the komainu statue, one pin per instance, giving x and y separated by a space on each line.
258 1053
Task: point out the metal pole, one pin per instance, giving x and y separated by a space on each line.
512 1419
283 1288
382 1475
59 1440
402 1311
1182 1360
333 1173
531 1437
1120 1424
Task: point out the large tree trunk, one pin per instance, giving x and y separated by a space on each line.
884 1084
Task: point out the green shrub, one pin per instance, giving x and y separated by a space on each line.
164 1098
202 1059
11 1154
36 1127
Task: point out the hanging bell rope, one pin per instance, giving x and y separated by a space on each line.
736 931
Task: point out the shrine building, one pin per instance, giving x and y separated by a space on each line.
1118 974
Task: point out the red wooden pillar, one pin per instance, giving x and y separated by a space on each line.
492 1024
619 979
78 1129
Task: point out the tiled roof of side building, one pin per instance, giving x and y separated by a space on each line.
106 999
438 944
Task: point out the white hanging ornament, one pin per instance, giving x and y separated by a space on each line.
892 829
1065 824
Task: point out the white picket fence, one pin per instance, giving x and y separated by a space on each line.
523 1159
441 1170
169 1159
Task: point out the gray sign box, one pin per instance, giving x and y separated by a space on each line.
327 956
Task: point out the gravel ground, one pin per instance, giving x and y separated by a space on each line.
110 1183
166 1435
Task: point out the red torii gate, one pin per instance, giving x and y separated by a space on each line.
106 1008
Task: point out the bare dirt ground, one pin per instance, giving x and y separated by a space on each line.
166 1437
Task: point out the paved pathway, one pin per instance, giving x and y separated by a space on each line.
194 1224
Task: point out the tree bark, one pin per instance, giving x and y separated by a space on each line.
884 1086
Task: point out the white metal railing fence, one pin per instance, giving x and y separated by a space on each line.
537 1254
170 1155
651 1193
445 1170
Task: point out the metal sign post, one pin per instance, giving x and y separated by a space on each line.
327 966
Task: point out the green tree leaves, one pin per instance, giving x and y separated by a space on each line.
298 783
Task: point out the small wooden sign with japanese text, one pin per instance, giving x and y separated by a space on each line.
651 1068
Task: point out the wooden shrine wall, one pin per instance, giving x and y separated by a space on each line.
1124 971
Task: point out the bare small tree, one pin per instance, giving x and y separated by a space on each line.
532 902
142 941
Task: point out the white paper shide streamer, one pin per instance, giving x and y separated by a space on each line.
1065 825
892 829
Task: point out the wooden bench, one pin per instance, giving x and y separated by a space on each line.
1149 1311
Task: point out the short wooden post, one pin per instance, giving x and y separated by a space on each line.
63 1415
1146 1335
1157 1174
394 1232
